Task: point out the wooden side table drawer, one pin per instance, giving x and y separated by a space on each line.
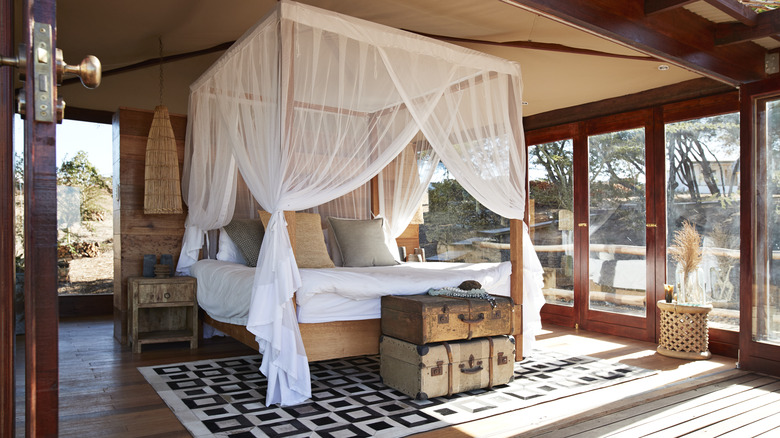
162 310
165 293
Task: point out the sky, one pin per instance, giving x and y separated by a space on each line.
74 136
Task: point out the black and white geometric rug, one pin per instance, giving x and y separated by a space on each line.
225 397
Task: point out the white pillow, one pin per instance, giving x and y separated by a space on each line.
228 251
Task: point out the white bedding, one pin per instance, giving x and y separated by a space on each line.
339 294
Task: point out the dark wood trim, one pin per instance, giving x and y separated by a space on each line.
754 355
678 35
71 306
724 342
581 216
533 45
154 62
766 25
683 91
89 115
40 242
702 107
7 232
658 6
655 166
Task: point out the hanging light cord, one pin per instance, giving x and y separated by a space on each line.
159 39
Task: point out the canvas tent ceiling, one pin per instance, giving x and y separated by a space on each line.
125 33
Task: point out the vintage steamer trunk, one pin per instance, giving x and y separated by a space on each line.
422 319
446 368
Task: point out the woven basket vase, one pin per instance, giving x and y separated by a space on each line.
162 187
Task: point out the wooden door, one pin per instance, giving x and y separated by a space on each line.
40 199
759 334
616 225
7 328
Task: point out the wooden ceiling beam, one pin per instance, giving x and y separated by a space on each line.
677 36
533 45
767 25
736 10
658 6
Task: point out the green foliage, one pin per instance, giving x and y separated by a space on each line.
556 189
79 172
453 214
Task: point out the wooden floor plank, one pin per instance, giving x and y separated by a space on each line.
651 411
689 420
742 419
104 395
757 428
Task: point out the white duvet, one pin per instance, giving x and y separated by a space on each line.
224 288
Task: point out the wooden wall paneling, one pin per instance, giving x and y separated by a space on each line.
136 233
7 231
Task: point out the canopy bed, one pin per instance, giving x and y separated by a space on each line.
300 114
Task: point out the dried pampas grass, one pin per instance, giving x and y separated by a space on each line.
687 248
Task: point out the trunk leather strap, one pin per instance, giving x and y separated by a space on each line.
449 368
490 364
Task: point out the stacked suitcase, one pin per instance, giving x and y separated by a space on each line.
438 345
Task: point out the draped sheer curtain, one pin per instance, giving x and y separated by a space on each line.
309 105
402 185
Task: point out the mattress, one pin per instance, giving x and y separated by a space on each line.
339 294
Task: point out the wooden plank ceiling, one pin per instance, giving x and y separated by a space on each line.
668 30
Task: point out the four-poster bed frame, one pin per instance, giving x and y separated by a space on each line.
338 339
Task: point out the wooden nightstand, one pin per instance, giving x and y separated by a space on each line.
162 310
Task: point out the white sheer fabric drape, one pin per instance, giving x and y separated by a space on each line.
309 105
402 185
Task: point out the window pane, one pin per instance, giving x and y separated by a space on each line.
703 189
457 228
617 265
767 302
551 216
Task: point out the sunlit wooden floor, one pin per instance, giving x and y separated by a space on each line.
103 395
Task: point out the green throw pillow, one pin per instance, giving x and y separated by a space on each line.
361 242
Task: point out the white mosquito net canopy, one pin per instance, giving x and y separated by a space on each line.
308 106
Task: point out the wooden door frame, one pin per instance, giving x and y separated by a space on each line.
755 356
40 242
555 314
724 342
7 235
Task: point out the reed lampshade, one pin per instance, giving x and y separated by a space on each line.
162 186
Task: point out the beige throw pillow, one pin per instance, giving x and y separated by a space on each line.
310 249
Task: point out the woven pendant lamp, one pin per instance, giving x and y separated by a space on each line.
162 187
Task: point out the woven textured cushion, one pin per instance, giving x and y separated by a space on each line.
310 248
228 251
361 242
247 234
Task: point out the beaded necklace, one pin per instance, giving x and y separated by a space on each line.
460 293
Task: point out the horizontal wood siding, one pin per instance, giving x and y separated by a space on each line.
136 233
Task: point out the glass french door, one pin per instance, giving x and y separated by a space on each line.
617 213
590 222
760 294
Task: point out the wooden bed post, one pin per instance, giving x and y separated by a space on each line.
516 283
